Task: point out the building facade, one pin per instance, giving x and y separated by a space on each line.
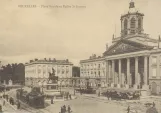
93 70
133 60
37 71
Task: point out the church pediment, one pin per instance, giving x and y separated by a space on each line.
126 46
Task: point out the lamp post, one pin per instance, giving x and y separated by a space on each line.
59 82
21 85
42 87
74 85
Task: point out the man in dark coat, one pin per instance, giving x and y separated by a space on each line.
64 109
4 102
69 109
7 98
128 109
152 109
61 111
107 94
70 96
1 108
52 101
18 105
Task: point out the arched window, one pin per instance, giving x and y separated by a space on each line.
139 23
125 26
99 73
132 25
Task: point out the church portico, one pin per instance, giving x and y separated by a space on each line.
128 72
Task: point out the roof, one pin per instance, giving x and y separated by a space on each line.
49 61
124 45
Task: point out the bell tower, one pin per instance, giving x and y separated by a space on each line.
132 22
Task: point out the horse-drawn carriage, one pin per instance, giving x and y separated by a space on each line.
121 94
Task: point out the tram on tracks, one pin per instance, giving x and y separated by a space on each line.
34 98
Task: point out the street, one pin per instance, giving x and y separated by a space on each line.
87 105
91 104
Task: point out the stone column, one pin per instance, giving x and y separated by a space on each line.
136 25
119 81
158 66
128 25
145 72
107 72
128 73
136 72
113 72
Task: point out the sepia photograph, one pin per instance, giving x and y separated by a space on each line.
80 56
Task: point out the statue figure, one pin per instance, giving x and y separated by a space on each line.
52 77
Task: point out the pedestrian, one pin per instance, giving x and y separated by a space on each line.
61 110
99 94
152 109
80 91
110 95
7 98
10 100
64 109
69 109
3 102
128 109
70 96
67 94
1 108
153 104
107 94
18 105
52 101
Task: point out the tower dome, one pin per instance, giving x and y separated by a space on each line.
132 22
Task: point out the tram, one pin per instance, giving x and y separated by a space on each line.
33 99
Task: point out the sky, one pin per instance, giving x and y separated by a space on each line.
66 33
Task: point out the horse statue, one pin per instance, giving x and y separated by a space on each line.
52 77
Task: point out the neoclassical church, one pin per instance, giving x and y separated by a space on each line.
132 61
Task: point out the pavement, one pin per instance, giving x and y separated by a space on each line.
91 103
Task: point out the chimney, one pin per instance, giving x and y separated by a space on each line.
36 59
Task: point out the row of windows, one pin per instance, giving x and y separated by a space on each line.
99 73
89 66
92 69
45 71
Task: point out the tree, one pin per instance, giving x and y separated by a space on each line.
15 72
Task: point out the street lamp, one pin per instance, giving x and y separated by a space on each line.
42 87
74 85
59 83
60 86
